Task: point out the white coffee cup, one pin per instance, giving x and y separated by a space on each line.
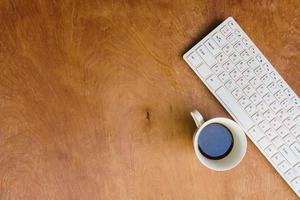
239 143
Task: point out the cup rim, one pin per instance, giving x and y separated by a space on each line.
240 142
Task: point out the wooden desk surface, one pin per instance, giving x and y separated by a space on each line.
95 98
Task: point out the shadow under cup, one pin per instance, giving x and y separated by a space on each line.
224 153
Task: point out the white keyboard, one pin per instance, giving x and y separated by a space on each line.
253 92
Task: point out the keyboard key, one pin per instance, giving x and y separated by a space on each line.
228 66
255 133
239 47
234 108
244 101
219 39
194 59
255 82
232 38
289 123
242 82
275 123
242 66
294 112
269 115
267 80
271 134
278 142
253 51
289 139
273 87
230 85
256 99
296 148
265 125
296 101
274 76
249 90
277 158
257 117
282 131
264 142
212 46
213 82
282 114
296 130
217 69
262 90
275 106
224 77
206 56
289 92
260 59
232 25
251 109
288 154
260 71
228 49
237 93
253 63
271 150
262 107
280 96
235 58
291 174
249 74
204 71
235 74
226 30
246 55
268 98
296 184
246 42
221 58
286 104
284 166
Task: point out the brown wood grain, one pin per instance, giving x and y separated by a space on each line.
95 98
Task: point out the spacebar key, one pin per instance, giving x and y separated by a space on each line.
234 108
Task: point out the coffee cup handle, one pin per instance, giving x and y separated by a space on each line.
198 119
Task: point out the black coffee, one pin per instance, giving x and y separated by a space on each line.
215 141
